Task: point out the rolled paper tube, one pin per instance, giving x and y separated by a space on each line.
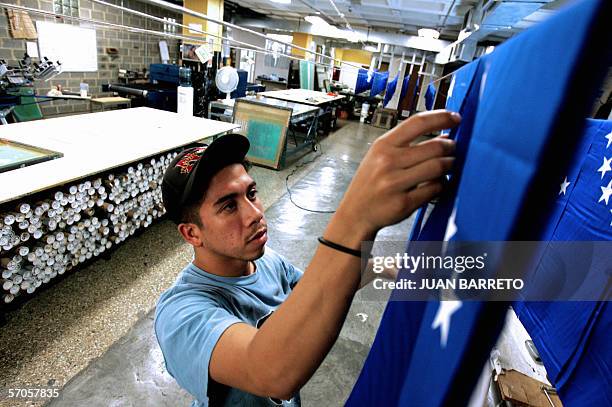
23 208
9 219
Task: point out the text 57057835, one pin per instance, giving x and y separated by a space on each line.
31 393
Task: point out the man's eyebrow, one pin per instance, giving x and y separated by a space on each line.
225 198
233 195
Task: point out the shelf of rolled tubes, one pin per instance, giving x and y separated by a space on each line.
48 234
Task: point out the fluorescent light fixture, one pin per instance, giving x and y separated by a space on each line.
280 37
429 33
324 29
370 48
316 21
352 36
281 1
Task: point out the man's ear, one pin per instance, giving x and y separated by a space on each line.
191 233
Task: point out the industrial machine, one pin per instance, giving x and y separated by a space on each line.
16 83
158 93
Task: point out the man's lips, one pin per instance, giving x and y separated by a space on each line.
258 235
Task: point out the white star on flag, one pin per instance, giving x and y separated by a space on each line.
443 318
606 192
451 88
564 186
605 167
609 138
451 226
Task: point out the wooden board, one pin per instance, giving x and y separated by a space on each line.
522 390
96 142
307 97
298 109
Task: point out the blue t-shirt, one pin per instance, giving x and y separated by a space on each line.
193 313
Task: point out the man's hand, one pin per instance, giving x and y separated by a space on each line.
396 177
369 275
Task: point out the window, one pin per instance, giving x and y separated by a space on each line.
274 59
170 28
66 7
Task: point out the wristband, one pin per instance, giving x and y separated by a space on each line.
340 248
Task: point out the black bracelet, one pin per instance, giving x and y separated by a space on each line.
340 248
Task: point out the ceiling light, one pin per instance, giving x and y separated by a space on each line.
280 37
281 1
352 36
316 21
428 33
370 48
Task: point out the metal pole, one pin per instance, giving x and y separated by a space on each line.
184 10
152 32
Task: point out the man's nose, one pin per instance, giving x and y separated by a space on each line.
253 214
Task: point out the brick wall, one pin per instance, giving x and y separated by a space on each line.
136 50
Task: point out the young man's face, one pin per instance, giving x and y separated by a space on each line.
232 216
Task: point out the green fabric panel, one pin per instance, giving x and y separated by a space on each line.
28 110
307 72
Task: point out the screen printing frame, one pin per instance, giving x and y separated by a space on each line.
42 155
245 112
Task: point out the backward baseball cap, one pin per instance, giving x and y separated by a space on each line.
191 170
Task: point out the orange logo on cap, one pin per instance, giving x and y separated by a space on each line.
189 160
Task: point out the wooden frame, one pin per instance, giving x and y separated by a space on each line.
34 154
266 128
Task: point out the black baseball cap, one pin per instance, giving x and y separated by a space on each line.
189 173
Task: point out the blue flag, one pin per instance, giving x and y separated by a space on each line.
391 86
571 336
379 82
364 81
520 118
430 96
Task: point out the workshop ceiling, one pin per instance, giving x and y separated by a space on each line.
405 16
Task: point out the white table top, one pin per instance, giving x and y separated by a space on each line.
61 97
97 142
298 108
308 97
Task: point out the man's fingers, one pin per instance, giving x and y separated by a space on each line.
421 124
425 192
437 147
426 171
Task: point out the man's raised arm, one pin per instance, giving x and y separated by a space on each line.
394 178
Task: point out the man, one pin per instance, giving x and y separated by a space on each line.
210 323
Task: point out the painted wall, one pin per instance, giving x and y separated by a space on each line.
301 40
339 53
212 8
357 56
